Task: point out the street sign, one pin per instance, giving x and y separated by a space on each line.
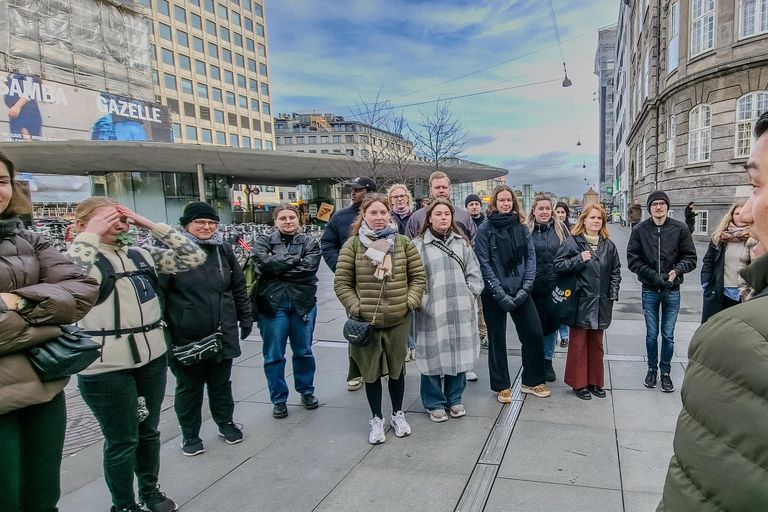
313 210
609 190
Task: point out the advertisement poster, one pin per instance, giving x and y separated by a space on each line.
39 110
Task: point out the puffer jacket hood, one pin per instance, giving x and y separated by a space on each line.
60 294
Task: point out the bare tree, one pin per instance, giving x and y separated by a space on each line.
440 137
401 154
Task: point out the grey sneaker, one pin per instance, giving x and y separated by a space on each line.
666 383
457 411
438 415
355 384
402 428
376 435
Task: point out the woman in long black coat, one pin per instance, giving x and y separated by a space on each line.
593 256
196 304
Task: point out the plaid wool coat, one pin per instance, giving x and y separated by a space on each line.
446 324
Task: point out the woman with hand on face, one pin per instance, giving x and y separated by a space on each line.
508 263
720 276
125 387
593 256
39 291
218 288
380 274
287 260
446 323
547 233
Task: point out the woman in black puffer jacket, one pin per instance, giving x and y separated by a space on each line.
547 233
196 304
40 289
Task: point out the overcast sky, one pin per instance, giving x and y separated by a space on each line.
324 53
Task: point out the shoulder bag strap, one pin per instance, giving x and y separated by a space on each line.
221 295
447 250
381 291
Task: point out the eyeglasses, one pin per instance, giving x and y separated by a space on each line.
205 223
658 204
398 197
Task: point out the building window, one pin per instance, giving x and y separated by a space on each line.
248 24
198 44
748 109
196 21
185 63
176 131
241 81
753 17
167 56
323 139
262 69
180 14
224 34
170 81
182 38
647 71
254 105
262 50
674 35
702 222
155 77
265 89
206 135
163 8
242 102
349 138
234 140
216 94
267 127
215 73
218 116
323 151
250 45
226 55
247 142
247 5
223 12
229 77
221 138
189 109
230 98
640 165
202 91
200 67
209 6
205 113
268 145
232 119
288 140
210 27
702 26
238 39
192 133
671 129
300 140
350 152
236 18
256 143
312 139
251 65
213 50
164 31
259 29
186 86
245 122
337 139
257 9
699 133
265 108
239 61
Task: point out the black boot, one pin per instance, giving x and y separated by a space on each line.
549 371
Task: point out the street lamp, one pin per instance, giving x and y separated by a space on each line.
566 81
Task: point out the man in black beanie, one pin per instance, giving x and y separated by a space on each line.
474 206
198 210
660 251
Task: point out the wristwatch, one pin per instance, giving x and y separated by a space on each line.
22 304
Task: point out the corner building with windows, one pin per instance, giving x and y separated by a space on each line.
210 67
697 81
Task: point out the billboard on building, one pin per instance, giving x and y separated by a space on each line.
39 110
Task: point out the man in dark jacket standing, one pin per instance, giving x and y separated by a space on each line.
635 214
474 206
660 251
337 230
722 434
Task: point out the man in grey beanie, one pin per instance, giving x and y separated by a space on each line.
660 251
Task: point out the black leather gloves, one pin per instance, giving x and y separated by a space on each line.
245 328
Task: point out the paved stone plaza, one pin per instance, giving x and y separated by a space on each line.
554 454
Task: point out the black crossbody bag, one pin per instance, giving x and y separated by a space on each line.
447 250
205 348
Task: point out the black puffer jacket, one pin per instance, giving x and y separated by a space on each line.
598 279
336 233
291 270
653 251
546 243
191 300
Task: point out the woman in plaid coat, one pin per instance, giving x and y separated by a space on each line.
446 324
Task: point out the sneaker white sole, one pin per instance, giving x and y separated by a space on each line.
438 419
403 434
354 387
228 441
458 414
472 378
190 454
530 391
377 441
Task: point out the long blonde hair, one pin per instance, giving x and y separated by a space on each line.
725 222
560 229
579 227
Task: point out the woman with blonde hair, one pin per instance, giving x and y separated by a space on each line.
507 259
548 233
591 255
720 277
402 205
379 276
125 387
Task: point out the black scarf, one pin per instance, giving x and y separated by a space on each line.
512 247
443 237
8 227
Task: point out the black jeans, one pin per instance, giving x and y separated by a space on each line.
130 446
190 382
529 331
31 442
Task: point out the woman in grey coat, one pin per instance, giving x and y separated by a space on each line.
446 324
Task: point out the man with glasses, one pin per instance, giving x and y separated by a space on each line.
337 232
660 251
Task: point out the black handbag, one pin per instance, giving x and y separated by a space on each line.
358 332
71 352
562 302
205 348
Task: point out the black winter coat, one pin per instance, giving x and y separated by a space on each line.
192 300
291 270
653 251
401 221
712 271
598 279
546 243
336 233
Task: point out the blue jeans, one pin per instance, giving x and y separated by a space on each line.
670 306
550 340
412 334
275 332
441 392
563 331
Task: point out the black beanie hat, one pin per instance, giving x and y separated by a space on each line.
472 198
657 195
198 210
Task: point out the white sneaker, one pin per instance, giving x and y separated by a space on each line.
355 384
471 376
402 428
457 411
407 355
377 435
438 415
